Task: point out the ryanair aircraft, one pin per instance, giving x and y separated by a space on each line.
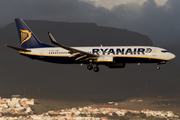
111 56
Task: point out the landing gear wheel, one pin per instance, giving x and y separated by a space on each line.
89 67
157 67
96 69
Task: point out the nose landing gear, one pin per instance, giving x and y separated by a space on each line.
158 67
160 63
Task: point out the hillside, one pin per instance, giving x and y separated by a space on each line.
79 34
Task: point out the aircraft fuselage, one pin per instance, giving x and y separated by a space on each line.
121 54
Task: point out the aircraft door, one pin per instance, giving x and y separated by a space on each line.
154 52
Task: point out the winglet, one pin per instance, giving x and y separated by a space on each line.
52 38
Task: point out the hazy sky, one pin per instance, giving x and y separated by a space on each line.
158 19
109 4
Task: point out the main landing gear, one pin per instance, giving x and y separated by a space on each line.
96 69
90 67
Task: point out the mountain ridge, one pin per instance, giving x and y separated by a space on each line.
84 34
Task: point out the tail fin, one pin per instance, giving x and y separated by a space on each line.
27 37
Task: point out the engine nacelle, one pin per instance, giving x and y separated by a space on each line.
116 65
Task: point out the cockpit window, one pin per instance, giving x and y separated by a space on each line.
164 51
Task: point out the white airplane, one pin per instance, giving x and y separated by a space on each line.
111 56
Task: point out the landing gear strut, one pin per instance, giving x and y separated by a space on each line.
90 67
160 63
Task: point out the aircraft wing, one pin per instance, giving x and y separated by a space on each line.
74 52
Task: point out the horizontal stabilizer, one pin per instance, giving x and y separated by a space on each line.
18 49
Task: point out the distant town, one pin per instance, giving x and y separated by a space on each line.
17 108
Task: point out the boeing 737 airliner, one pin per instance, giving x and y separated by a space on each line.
111 56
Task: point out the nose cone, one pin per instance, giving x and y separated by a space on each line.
171 56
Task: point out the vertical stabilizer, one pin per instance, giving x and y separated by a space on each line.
27 37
